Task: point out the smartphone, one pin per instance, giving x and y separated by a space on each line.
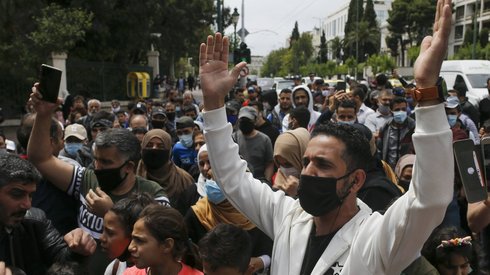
49 82
485 149
470 170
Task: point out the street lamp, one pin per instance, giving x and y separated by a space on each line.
234 19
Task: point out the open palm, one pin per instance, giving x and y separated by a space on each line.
216 80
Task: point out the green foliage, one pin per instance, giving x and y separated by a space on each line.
323 52
275 63
466 52
294 34
413 53
409 22
301 52
354 17
58 29
366 37
484 37
336 46
392 44
380 63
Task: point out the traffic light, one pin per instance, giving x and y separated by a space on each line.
242 54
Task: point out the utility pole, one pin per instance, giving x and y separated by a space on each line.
475 29
220 16
242 35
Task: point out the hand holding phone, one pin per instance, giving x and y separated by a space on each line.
49 83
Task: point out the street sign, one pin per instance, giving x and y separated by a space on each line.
239 32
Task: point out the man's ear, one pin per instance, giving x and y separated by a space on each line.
358 180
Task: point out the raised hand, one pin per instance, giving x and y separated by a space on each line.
40 106
433 48
216 80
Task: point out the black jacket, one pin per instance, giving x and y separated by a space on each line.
33 245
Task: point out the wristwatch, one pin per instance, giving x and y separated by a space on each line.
436 92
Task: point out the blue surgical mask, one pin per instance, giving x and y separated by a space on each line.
452 120
186 140
347 122
213 192
399 116
72 148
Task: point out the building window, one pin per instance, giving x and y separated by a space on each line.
459 12
458 32
486 6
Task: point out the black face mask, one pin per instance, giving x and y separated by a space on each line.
171 116
155 158
158 124
318 195
405 184
246 126
110 179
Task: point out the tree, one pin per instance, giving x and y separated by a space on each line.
484 37
372 46
336 46
59 29
275 63
301 52
368 45
294 34
354 16
380 63
410 21
323 53
392 44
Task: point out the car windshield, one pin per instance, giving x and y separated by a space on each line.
265 83
478 80
284 84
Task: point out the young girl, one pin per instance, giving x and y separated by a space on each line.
118 225
450 251
160 245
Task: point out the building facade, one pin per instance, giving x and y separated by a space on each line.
465 18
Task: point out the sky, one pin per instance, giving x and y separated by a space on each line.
270 22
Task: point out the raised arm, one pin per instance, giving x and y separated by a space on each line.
39 153
479 215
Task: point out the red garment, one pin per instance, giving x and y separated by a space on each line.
186 270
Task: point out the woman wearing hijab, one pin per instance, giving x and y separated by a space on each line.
214 209
288 154
156 165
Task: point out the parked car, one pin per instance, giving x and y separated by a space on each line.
265 83
281 84
471 73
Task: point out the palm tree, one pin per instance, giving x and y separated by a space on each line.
367 38
336 46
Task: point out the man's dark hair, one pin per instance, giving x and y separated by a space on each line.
285 90
226 246
302 115
15 169
25 129
460 89
259 105
381 80
102 114
125 142
67 268
346 104
359 91
357 154
398 100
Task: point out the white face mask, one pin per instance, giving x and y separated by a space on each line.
289 171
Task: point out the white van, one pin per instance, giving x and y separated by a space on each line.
472 73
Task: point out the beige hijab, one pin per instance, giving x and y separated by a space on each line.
291 145
173 179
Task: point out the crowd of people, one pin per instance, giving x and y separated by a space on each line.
311 179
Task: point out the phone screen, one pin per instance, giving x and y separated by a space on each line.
49 82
